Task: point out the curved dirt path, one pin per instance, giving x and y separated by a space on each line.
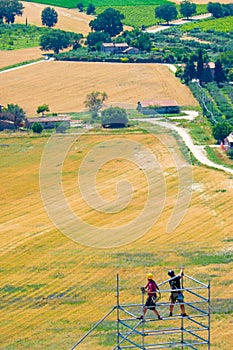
198 151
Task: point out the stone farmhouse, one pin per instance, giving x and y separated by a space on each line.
158 107
118 48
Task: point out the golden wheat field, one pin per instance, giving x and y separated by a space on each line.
68 19
53 289
64 85
58 278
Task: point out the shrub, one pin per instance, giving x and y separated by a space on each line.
37 128
230 153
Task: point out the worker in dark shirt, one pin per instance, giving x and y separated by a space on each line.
176 295
151 288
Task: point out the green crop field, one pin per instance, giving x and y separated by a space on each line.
20 36
218 25
101 3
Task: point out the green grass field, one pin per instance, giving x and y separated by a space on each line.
19 36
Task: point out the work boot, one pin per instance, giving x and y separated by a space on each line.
139 317
159 318
184 315
170 315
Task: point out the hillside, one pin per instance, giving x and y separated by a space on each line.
53 289
68 83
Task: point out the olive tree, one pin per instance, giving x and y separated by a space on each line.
114 117
49 17
43 108
55 40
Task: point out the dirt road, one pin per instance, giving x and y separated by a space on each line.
198 151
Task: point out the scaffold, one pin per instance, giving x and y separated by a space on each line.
176 331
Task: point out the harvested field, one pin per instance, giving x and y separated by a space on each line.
47 279
64 85
70 20
8 58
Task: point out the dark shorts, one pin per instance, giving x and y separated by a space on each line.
176 296
150 303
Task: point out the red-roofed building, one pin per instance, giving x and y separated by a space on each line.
158 107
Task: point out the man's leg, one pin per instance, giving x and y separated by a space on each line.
183 310
156 313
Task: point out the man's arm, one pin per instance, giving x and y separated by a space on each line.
181 271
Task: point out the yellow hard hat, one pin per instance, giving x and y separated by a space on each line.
150 276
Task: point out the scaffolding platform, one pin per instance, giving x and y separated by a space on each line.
150 333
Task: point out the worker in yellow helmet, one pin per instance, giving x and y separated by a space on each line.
151 288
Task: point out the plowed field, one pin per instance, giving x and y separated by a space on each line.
64 85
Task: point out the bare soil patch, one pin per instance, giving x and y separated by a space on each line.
64 85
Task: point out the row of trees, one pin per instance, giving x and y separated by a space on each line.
90 10
198 68
220 10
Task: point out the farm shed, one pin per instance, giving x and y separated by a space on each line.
49 122
158 107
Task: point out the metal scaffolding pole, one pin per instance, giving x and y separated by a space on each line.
145 334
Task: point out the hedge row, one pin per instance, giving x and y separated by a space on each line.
207 105
223 105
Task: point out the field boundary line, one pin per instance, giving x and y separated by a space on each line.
22 66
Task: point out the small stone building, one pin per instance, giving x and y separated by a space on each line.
158 107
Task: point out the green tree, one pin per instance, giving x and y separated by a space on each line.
49 17
230 153
167 12
200 65
216 9
108 21
219 74
94 101
221 130
95 39
37 128
114 117
187 8
18 115
9 9
142 42
43 108
189 72
80 6
90 9
55 40
75 39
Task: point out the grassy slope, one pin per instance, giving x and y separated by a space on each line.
47 279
